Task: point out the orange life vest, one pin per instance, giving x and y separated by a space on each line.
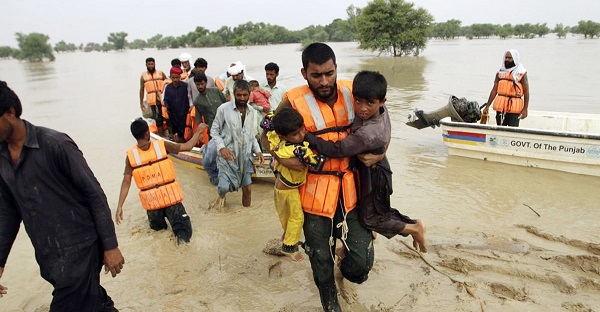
320 193
510 94
153 83
165 112
191 125
220 83
154 175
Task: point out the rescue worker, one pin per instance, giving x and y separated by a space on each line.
154 174
329 197
510 93
152 81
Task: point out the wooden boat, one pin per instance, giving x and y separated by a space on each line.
194 158
552 140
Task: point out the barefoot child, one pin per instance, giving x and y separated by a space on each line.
286 137
370 133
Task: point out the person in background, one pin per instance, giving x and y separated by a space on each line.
235 142
150 159
176 101
186 68
259 100
275 88
371 133
46 183
152 84
236 72
222 78
200 66
206 103
326 104
510 93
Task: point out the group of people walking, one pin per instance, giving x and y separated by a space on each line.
328 138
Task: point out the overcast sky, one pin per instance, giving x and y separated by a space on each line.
82 21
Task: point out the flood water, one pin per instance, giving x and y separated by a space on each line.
93 96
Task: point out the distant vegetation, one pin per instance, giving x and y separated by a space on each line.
394 27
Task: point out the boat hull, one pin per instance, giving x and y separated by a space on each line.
556 141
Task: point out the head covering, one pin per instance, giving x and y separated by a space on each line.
518 70
235 69
185 57
176 70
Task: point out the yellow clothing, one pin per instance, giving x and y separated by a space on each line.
289 177
291 216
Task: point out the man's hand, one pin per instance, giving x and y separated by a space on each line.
523 114
261 158
227 154
201 127
119 215
3 289
113 261
370 159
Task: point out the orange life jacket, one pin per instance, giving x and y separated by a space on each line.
191 125
510 94
220 83
153 83
165 112
320 193
154 174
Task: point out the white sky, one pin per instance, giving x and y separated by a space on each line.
82 21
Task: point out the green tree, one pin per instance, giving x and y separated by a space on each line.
541 29
154 40
34 47
393 26
560 31
137 44
62 46
118 41
6 52
447 30
587 29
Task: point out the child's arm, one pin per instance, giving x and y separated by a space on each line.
352 145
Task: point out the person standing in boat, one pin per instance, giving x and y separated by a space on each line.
233 134
176 101
510 93
200 66
275 88
46 183
161 194
236 72
152 84
206 104
186 68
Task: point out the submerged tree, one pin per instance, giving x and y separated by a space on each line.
117 40
34 47
393 26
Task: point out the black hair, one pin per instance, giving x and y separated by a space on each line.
317 53
242 85
286 121
200 62
138 128
175 61
198 77
150 59
254 83
8 99
272 66
369 85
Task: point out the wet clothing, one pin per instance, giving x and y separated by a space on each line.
229 131
291 216
65 213
178 218
508 119
176 101
374 184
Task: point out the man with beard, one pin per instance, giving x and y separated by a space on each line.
233 134
200 66
207 102
176 101
510 92
152 82
275 88
46 183
329 197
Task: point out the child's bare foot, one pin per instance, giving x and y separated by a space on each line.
419 240
295 256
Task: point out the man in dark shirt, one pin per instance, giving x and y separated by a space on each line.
178 105
48 185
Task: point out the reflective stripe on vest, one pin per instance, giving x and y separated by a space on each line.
320 193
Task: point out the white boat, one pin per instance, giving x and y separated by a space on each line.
194 158
552 140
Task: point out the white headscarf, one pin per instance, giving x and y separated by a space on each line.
516 70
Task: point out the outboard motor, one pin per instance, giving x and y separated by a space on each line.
459 110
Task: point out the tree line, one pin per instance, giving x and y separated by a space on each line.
394 27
